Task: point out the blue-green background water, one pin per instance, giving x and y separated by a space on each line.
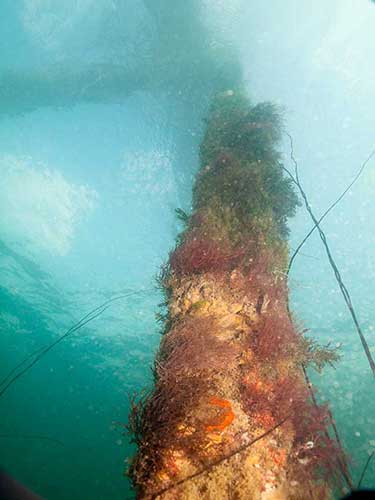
101 109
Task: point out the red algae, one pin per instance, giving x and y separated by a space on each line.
230 410
275 336
198 255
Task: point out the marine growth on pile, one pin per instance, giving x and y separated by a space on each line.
231 414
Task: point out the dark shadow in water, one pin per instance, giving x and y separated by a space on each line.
172 56
180 60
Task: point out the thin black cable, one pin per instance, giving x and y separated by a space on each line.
220 460
336 271
331 207
365 469
45 351
343 464
5 379
82 322
31 436
68 332
72 329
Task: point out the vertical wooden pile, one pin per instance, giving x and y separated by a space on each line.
230 415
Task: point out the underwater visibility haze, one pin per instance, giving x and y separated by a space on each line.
108 138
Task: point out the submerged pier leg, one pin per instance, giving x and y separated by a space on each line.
231 415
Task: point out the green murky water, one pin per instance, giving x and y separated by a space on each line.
101 114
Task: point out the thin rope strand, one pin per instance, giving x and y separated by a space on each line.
42 352
331 207
343 289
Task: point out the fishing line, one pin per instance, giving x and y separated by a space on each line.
365 469
342 462
295 179
296 251
31 436
71 329
5 379
68 332
220 460
10 378
45 350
